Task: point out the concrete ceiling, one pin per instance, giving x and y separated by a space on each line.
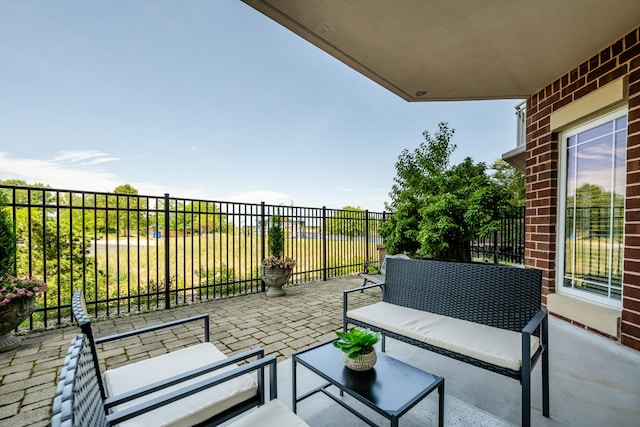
432 50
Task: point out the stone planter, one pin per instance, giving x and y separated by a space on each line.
275 277
11 315
365 362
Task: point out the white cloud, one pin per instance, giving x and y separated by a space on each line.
60 172
68 171
78 157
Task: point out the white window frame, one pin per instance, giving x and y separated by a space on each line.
562 202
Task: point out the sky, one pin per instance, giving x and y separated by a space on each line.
209 100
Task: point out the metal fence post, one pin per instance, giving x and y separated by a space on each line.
167 258
366 241
324 243
262 241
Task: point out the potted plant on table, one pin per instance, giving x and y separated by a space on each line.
358 353
17 296
276 269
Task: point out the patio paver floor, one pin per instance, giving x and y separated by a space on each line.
308 314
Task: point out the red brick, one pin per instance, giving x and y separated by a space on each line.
632 216
617 47
630 342
562 102
603 69
632 241
629 54
632 203
631 291
631 278
631 266
632 229
631 304
631 317
630 329
613 75
633 253
585 90
633 190
631 38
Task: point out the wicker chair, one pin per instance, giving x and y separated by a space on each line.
207 400
78 402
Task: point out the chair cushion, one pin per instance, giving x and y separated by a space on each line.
190 410
271 414
493 345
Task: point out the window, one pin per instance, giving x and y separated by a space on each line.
591 209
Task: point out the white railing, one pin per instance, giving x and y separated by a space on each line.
521 114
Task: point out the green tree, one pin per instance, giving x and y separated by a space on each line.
511 179
131 210
349 221
276 236
207 217
7 239
438 208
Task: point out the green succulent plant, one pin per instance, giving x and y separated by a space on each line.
356 342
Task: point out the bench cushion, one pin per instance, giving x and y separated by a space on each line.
188 411
271 414
492 345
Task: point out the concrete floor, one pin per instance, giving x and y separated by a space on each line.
594 382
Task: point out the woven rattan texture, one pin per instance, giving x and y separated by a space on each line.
79 309
498 296
77 402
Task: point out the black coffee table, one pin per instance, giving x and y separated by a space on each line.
391 388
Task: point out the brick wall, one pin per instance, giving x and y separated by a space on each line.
620 59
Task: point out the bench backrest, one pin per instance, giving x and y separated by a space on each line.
79 310
498 296
78 401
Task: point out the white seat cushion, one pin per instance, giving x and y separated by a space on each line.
190 410
271 414
493 345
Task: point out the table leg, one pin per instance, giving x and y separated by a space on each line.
441 404
294 390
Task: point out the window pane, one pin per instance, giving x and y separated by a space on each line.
594 217
590 134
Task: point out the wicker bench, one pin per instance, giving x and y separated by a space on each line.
484 315
196 385
78 401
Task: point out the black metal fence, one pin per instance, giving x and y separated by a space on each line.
505 245
130 252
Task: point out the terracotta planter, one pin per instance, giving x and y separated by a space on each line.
11 315
365 362
275 277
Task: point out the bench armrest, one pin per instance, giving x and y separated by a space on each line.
345 300
203 317
176 395
535 321
112 401
348 291
539 319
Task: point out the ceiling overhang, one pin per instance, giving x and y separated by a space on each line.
428 50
